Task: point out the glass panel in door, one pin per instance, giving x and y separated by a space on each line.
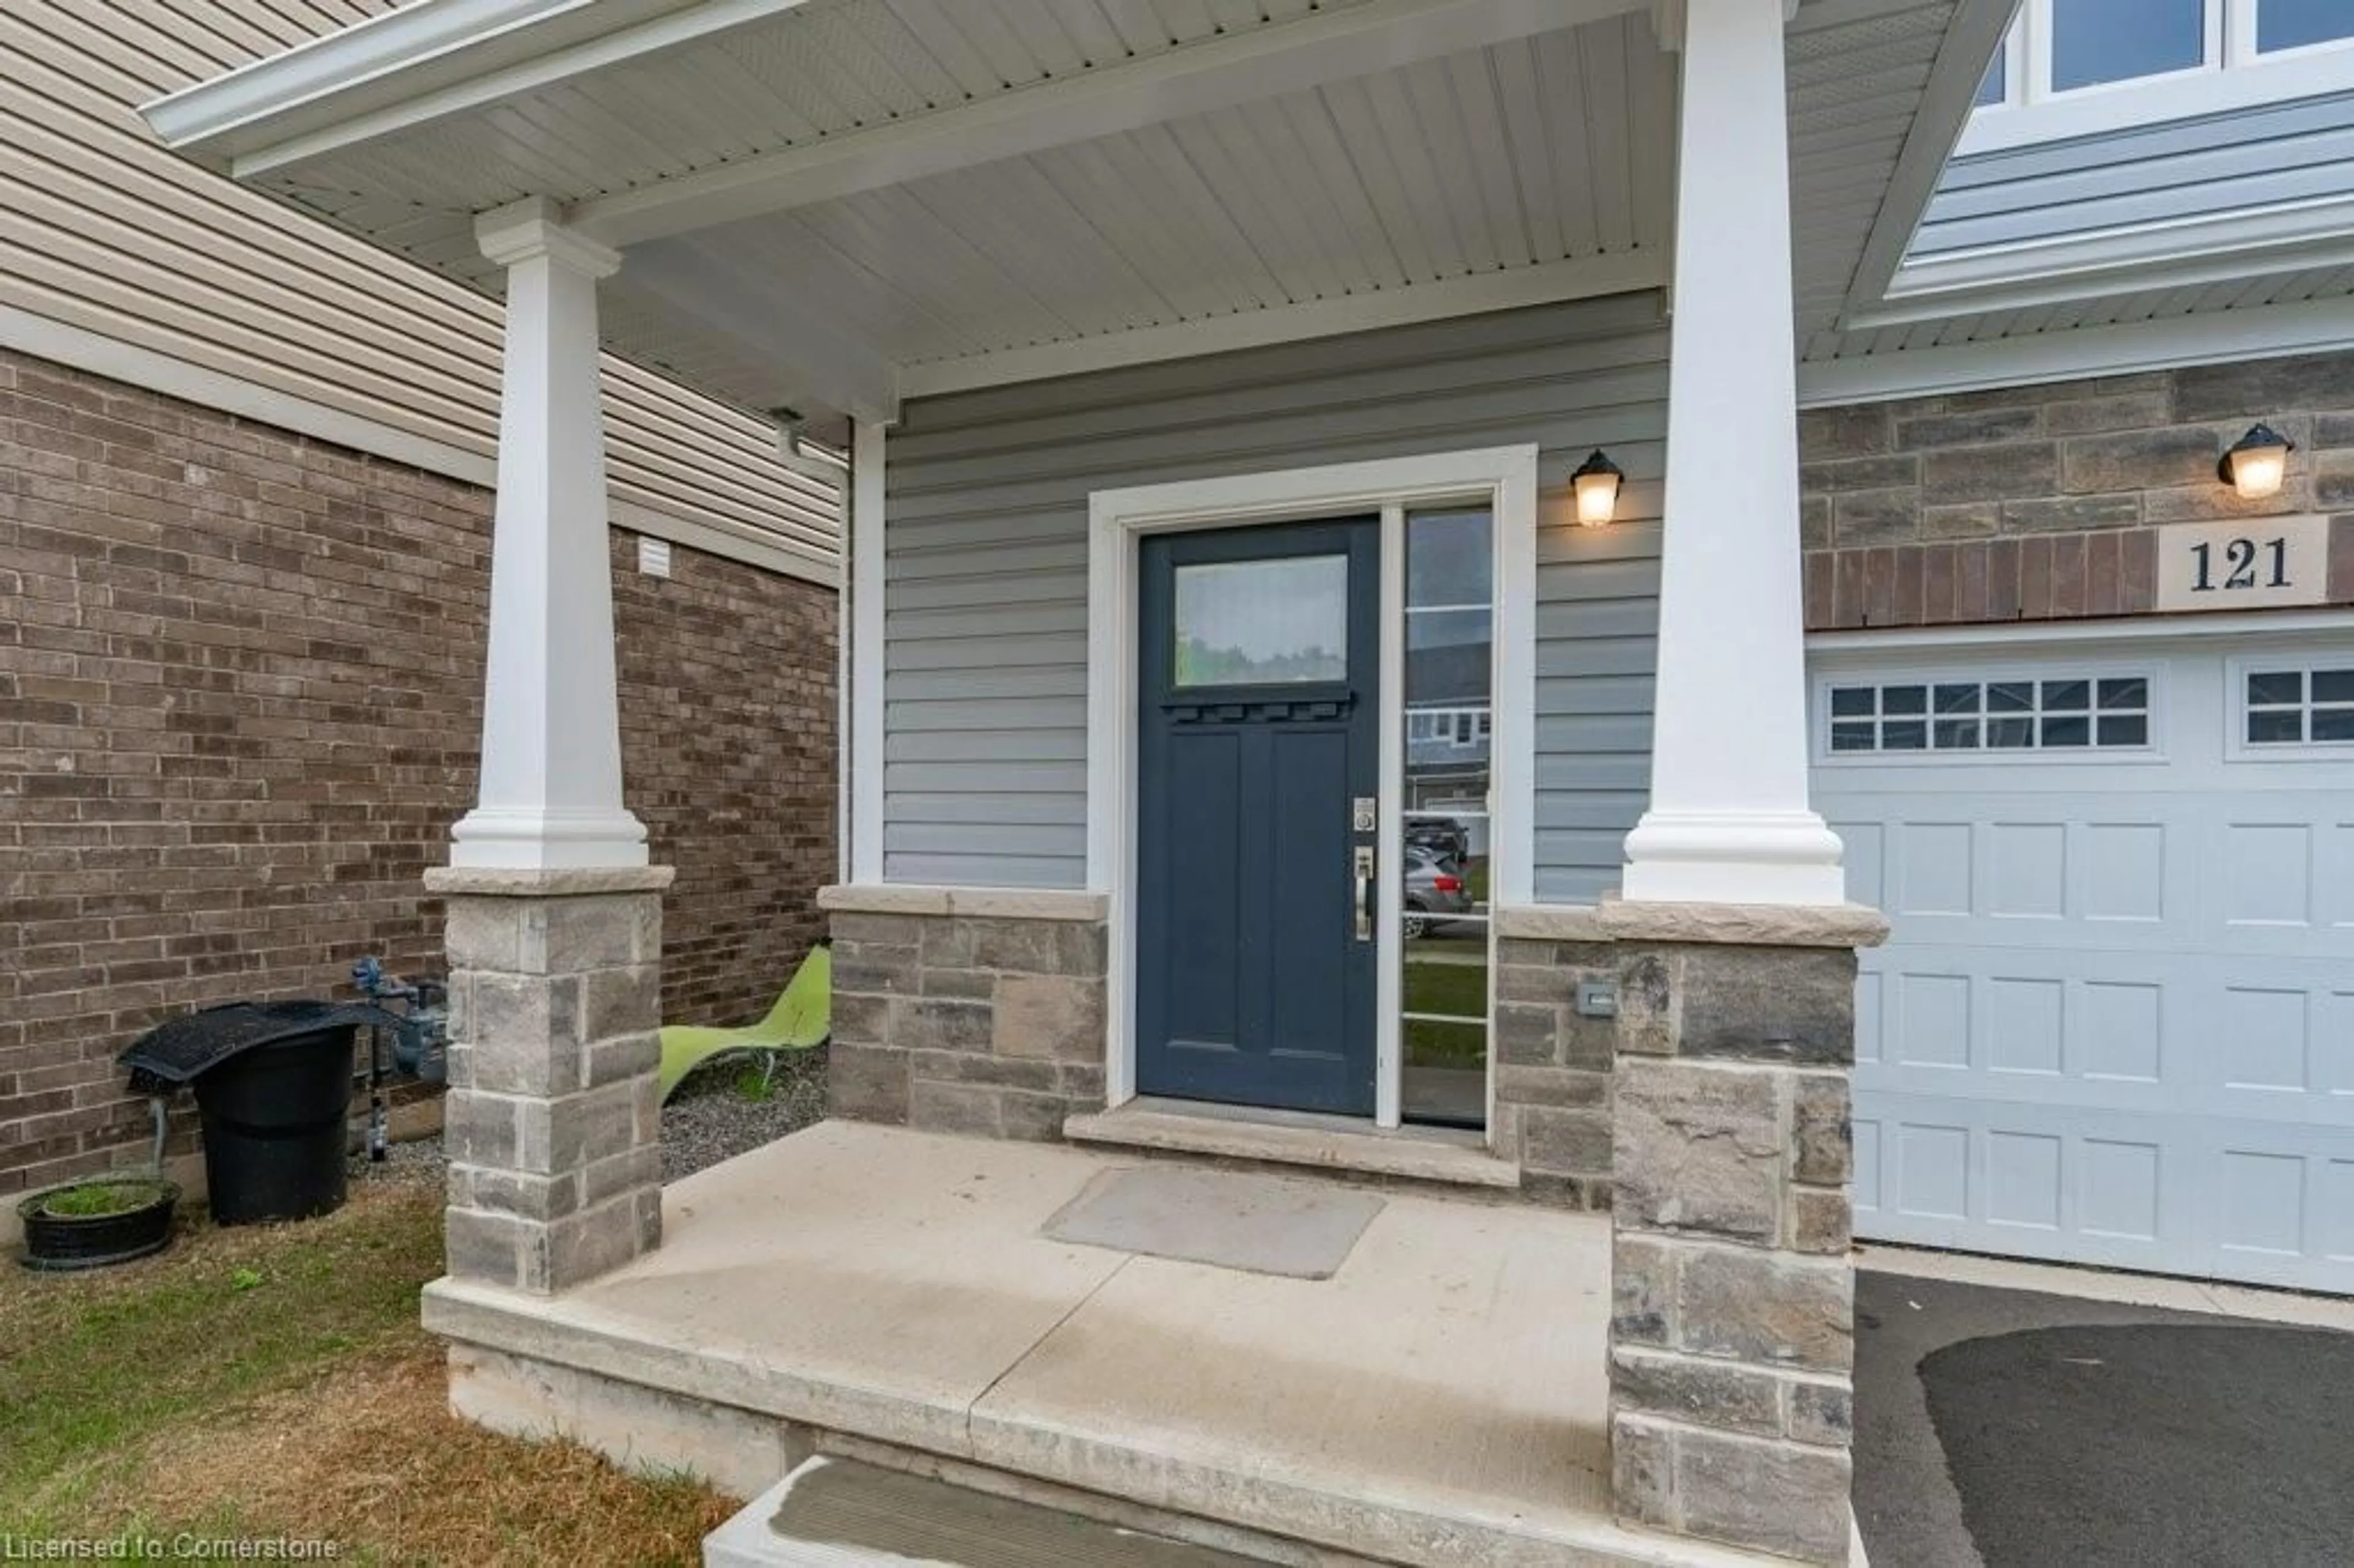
1443 878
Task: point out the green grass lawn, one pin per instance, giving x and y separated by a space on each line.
272 1380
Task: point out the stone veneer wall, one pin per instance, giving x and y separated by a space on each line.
1552 1067
982 1023
240 677
2040 502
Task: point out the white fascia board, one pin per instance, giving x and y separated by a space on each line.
94 354
1624 273
426 62
1937 124
2264 332
2212 248
1222 71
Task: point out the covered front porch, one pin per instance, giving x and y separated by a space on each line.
890 1295
1195 809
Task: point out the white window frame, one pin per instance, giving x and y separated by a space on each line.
1962 671
2238 747
2232 74
1502 479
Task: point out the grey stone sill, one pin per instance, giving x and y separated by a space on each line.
980 903
1325 1143
1736 924
561 882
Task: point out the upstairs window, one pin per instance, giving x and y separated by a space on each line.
2098 41
2069 67
2285 25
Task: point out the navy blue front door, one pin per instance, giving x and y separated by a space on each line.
1259 710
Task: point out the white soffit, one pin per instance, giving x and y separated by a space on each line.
1493 163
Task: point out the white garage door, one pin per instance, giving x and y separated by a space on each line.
2115 1021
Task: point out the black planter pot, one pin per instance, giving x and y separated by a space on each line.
55 1243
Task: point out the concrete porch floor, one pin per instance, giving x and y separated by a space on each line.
1439 1400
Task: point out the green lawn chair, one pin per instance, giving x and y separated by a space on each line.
801 1018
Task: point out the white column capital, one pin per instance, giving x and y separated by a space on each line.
533 227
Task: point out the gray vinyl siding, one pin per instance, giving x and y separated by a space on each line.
103 229
2293 151
985 639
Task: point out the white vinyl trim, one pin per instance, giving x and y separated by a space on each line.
1841 649
2206 247
1945 105
1503 478
863 762
1389 840
94 354
2307 326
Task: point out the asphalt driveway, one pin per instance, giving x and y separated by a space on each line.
2015 1429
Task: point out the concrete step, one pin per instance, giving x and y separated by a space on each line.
841 1513
1298 1140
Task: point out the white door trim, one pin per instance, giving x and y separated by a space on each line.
1503 478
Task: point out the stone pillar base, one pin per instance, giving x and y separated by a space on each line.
1732 1333
553 1120
976 1010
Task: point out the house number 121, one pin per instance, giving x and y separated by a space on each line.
2231 566
2240 565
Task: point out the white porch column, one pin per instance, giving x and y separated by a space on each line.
554 918
551 778
1729 822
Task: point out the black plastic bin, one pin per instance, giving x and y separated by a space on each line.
274 1126
273 1082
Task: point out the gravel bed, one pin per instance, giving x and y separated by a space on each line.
708 1119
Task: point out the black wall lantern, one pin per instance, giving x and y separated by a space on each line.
2257 465
1597 483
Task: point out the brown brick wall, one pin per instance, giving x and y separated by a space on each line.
239 689
2042 503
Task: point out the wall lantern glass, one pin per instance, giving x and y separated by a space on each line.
1597 483
2257 463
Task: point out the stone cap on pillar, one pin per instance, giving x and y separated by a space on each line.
1730 925
546 882
1745 925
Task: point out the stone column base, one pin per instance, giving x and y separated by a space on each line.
974 1010
1732 1334
553 1119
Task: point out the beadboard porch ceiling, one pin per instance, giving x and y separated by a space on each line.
830 204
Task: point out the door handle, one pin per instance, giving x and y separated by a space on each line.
1364 861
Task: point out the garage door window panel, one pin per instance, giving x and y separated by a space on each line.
2064 713
2281 706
